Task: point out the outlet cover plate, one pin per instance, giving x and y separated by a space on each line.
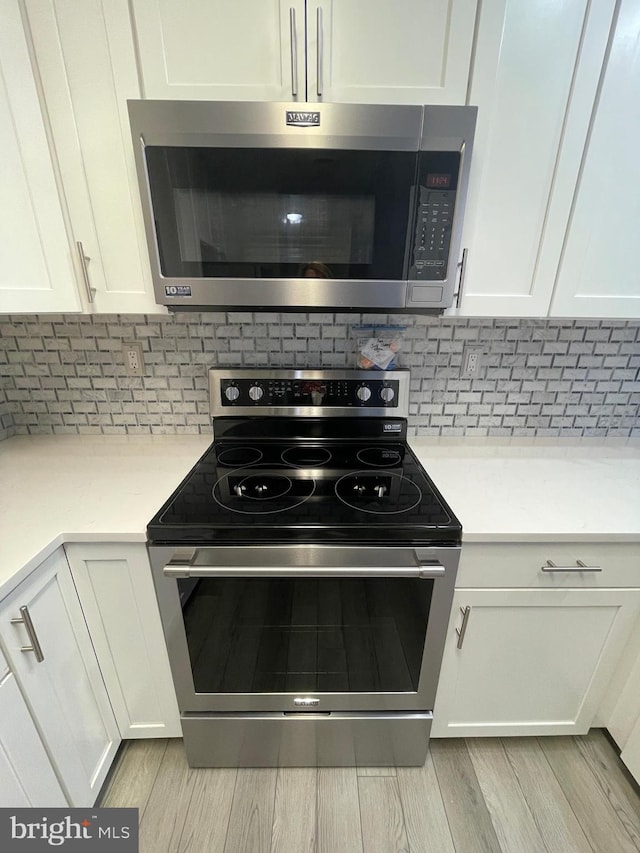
133 358
471 360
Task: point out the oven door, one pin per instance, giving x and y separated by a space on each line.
305 628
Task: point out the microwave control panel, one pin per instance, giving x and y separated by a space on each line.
436 201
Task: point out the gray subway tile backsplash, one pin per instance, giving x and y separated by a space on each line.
65 374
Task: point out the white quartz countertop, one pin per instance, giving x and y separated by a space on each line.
544 489
57 489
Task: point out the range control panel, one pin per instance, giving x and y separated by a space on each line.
284 392
317 393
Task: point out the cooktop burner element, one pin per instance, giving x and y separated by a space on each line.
306 457
263 487
379 457
380 493
258 490
238 456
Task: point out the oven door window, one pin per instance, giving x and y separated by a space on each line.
281 213
274 635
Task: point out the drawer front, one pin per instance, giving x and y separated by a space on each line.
514 564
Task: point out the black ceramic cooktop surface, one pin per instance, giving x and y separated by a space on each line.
355 492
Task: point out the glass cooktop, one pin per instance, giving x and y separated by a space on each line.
322 492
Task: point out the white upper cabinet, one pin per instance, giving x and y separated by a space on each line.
412 51
249 50
535 79
86 60
408 52
599 274
36 273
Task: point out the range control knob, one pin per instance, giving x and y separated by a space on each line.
363 393
256 392
231 393
387 394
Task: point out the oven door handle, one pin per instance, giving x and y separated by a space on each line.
424 571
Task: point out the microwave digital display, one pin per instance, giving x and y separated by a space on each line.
439 181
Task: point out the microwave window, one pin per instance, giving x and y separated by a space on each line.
281 213
274 228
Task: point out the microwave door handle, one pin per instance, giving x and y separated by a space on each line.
294 52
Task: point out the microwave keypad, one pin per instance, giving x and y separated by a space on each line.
433 233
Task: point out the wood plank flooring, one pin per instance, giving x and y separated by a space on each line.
508 795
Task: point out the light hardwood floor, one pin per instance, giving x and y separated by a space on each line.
510 795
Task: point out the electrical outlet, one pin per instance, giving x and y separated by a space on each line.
471 358
133 358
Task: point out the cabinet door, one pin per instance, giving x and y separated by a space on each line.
36 272
407 52
26 776
119 603
599 274
216 50
532 662
631 753
86 57
534 61
65 691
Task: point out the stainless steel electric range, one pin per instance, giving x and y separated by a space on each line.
305 571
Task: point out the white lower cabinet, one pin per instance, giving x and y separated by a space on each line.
532 661
631 752
26 775
119 604
64 691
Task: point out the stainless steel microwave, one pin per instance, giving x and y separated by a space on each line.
290 206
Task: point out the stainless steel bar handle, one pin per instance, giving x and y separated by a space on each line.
463 268
25 620
320 52
550 566
293 33
423 572
84 260
462 630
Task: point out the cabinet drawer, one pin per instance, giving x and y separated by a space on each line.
514 564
